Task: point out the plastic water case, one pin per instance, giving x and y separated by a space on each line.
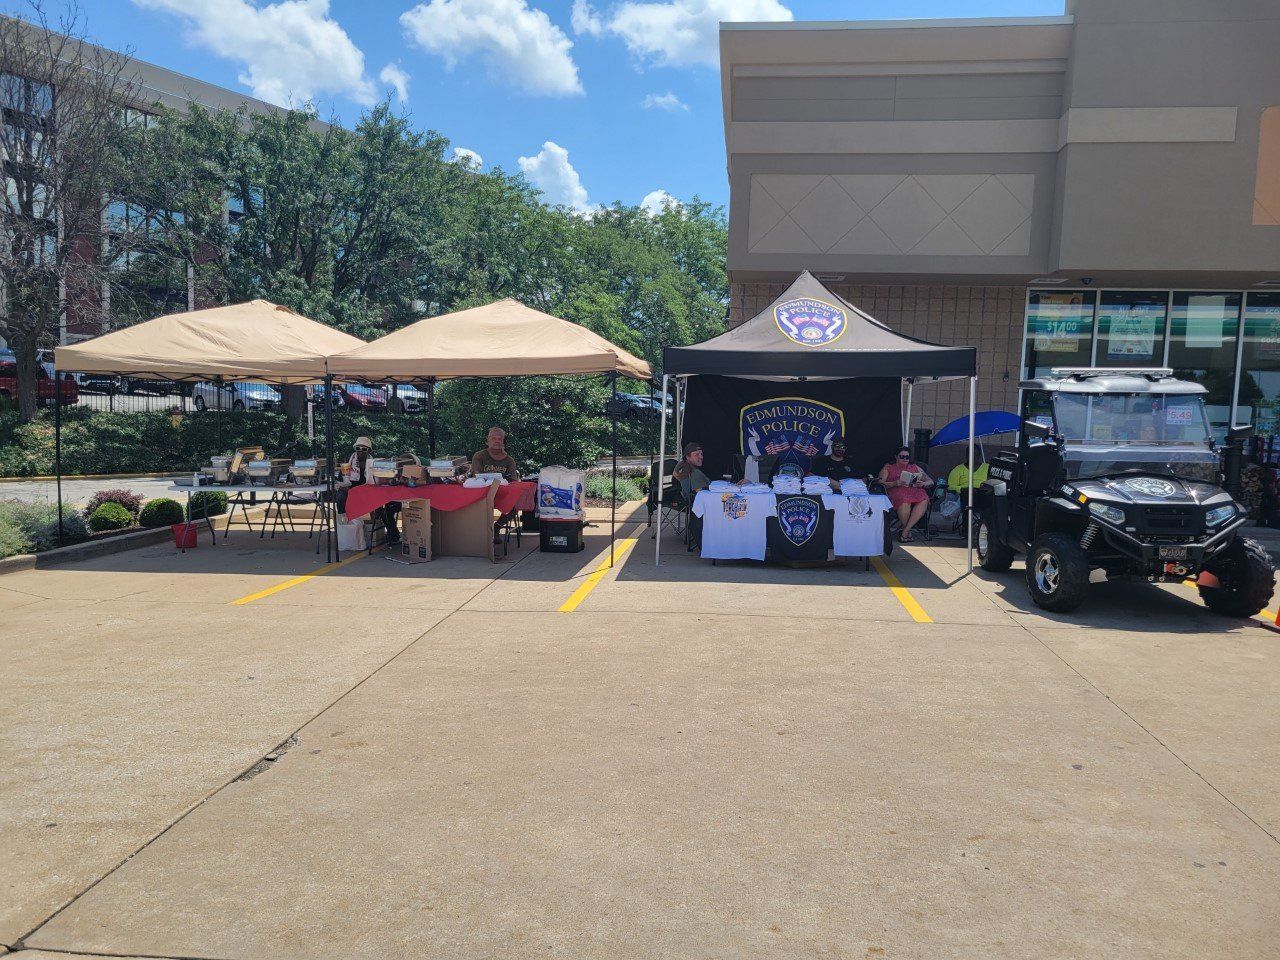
560 492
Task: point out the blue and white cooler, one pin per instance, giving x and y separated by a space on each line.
561 511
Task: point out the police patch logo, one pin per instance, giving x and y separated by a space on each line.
798 518
793 429
810 322
735 506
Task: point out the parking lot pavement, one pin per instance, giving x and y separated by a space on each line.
77 492
695 760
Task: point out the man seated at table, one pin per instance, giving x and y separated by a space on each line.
834 467
688 472
359 472
494 457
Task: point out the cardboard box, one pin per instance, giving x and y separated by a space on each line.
415 532
411 471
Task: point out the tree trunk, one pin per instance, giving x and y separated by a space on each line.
294 399
24 352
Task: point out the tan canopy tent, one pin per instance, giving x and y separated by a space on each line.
258 340
503 339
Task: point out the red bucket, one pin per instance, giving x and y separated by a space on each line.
184 535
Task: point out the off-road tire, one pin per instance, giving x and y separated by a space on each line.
1247 575
996 556
1057 572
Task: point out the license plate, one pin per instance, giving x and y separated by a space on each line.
1173 553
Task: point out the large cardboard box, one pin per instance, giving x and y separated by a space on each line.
415 534
411 471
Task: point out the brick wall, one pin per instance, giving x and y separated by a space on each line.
989 318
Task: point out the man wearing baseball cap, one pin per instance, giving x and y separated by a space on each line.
688 472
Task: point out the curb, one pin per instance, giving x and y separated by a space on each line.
92 549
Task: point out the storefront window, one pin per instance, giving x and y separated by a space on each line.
1203 332
1259 396
1131 328
1059 329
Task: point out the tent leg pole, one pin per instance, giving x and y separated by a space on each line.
662 460
679 419
906 422
973 404
57 446
431 418
330 549
217 394
613 499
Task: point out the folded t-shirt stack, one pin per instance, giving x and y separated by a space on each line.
853 487
723 486
787 485
755 488
816 486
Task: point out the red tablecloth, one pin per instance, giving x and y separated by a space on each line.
522 495
366 498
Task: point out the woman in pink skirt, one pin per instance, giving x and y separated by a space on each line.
907 486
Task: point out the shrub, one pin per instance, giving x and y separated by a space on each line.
126 498
110 516
600 487
32 527
161 513
207 503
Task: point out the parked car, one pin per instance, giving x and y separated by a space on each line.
639 406
412 399
242 395
46 391
99 382
358 397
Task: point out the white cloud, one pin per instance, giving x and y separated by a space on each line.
552 173
585 19
656 201
468 158
681 33
514 41
292 50
396 79
664 101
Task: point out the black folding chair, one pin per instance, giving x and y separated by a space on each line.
673 506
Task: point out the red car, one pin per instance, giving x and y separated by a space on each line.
67 388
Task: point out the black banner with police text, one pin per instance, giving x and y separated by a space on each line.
795 421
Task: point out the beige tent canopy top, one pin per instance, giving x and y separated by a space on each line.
503 339
258 340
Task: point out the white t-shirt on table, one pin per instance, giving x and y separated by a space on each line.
733 524
859 524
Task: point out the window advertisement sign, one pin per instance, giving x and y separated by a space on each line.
1131 329
1203 332
1258 398
1059 329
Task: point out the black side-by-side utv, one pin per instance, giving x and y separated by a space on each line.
1116 470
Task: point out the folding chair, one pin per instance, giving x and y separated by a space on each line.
673 507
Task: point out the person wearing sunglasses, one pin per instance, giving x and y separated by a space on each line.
907 486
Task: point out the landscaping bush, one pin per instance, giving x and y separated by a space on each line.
110 516
161 513
207 503
126 498
600 487
32 527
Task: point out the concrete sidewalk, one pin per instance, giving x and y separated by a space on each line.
390 761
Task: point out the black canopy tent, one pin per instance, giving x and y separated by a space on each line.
809 334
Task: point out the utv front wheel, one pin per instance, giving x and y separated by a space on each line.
992 554
1247 578
1057 572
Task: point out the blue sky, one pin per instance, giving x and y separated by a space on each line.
502 78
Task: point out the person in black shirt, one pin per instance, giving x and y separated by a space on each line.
835 467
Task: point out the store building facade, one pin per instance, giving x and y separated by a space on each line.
1100 188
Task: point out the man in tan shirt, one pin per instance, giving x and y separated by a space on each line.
494 457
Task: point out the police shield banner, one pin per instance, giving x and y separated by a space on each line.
798 517
793 429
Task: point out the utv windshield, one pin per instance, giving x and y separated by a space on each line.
1132 418
1107 434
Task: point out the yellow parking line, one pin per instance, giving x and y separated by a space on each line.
620 550
327 568
902 593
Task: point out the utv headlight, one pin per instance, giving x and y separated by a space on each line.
1220 514
1104 512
